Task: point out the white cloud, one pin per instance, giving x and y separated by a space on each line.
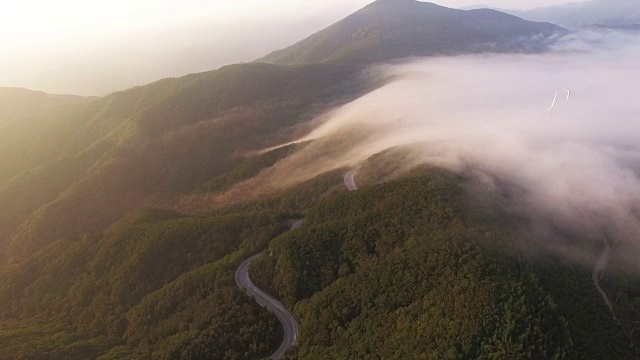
579 165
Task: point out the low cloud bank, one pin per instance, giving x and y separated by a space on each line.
488 115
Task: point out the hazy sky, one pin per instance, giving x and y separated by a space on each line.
93 47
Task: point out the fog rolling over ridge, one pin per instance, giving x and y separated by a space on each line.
487 115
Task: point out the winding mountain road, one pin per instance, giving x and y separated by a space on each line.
350 180
289 323
598 270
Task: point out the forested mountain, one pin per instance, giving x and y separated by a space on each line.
111 249
414 268
391 29
371 274
79 168
155 285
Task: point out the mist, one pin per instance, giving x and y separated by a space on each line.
487 117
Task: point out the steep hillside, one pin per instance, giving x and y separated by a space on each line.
391 29
78 169
155 285
415 267
372 273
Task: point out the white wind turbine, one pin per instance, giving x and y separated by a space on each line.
553 104
570 91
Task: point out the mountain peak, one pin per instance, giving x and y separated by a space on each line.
390 29
405 3
395 1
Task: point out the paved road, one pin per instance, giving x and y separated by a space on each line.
350 181
598 270
285 317
289 323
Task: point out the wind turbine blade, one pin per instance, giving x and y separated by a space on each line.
553 104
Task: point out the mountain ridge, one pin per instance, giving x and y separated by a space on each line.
127 131
604 13
19 103
142 146
389 29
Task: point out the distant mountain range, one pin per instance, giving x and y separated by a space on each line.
16 103
390 29
623 14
